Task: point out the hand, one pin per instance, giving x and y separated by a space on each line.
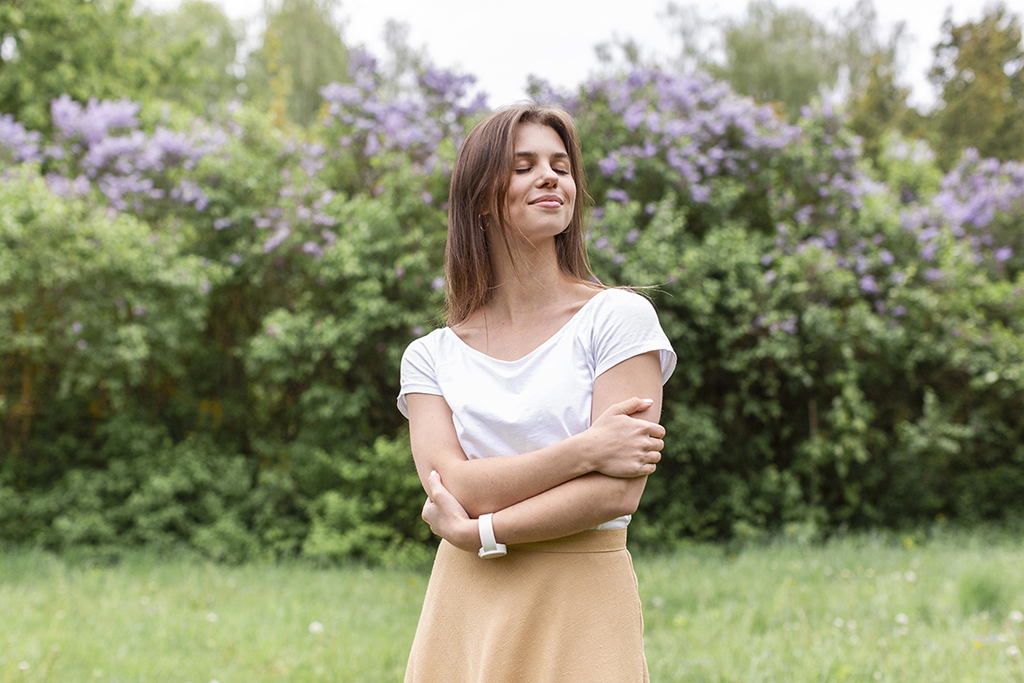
447 518
624 446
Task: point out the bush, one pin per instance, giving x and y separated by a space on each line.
201 322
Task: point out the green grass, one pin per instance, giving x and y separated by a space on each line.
866 608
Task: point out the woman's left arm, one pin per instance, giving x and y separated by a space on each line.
577 505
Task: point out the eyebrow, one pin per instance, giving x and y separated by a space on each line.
534 155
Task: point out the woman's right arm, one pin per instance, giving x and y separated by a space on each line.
616 444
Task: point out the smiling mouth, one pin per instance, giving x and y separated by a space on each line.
547 201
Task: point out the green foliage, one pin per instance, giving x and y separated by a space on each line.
201 30
102 49
784 54
302 51
979 66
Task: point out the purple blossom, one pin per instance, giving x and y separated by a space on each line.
95 121
928 251
1003 254
933 275
275 240
437 283
869 285
617 195
222 223
312 248
632 236
23 144
77 327
235 259
886 256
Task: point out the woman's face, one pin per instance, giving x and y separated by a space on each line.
541 192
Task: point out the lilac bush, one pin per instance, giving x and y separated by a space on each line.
850 337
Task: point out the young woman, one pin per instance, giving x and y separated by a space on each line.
534 424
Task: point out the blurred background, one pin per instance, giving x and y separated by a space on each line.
221 224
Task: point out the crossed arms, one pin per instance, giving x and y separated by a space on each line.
587 479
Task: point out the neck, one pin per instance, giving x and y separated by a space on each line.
535 282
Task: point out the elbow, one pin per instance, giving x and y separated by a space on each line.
625 499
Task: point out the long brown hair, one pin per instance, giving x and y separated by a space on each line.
477 211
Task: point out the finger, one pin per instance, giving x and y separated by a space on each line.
656 445
433 482
630 406
656 430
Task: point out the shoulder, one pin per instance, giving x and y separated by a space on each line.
426 347
613 302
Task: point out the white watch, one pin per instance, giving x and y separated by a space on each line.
489 548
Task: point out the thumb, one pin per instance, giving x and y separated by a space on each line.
630 406
434 485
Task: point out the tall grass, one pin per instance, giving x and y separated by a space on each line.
867 608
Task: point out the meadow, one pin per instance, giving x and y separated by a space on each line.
875 607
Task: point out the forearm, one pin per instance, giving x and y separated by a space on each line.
485 485
569 508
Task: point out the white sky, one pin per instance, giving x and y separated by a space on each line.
502 43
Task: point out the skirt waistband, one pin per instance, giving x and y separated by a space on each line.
591 541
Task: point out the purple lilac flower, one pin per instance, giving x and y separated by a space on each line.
235 259
437 283
275 240
886 256
617 195
869 285
933 275
1004 254
222 223
95 121
24 144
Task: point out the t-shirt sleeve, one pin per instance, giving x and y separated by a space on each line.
418 371
626 325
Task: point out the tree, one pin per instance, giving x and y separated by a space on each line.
979 69
202 29
99 48
880 104
302 51
785 54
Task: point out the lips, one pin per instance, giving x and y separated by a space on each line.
547 200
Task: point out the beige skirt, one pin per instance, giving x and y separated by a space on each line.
561 611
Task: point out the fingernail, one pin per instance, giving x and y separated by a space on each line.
648 401
433 473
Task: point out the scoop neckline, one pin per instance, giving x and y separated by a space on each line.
547 342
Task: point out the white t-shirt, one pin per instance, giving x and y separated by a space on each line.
510 407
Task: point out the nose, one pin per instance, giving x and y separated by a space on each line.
548 177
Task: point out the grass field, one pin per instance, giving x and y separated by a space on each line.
866 608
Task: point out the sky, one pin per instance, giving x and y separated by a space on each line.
502 44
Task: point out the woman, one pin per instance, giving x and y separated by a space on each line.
533 418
